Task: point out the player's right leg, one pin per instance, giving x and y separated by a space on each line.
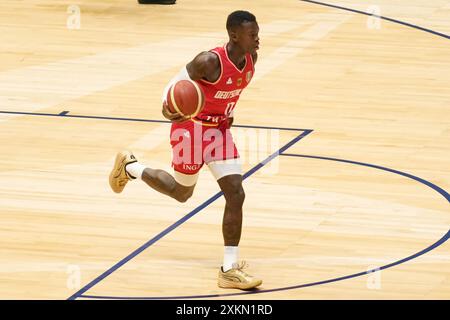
127 168
165 183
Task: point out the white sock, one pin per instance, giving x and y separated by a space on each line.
135 169
230 257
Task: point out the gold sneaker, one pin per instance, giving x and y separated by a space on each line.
236 278
119 177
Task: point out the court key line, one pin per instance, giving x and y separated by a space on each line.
139 250
105 274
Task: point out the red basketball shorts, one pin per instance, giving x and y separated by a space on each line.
194 144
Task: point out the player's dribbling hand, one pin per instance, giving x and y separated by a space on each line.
172 116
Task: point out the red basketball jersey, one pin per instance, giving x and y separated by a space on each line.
221 96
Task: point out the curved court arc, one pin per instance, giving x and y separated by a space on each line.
433 246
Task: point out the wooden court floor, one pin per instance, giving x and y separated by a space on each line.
348 112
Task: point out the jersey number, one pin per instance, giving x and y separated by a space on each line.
229 108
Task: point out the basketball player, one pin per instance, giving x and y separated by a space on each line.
221 73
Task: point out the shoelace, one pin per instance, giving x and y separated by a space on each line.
241 265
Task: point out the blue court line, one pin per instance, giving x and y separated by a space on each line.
441 241
423 181
381 17
66 115
433 246
184 219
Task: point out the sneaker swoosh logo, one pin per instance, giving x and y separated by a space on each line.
231 278
122 165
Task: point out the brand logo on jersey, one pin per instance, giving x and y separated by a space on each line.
239 82
227 94
190 166
229 81
248 76
187 134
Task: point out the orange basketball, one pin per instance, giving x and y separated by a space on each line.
186 98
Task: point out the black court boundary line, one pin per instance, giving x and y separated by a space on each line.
440 34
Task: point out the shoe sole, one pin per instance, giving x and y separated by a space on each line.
226 284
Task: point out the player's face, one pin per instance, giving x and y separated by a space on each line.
247 37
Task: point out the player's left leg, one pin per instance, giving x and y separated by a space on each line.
229 178
234 194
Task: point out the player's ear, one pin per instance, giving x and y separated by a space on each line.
232 33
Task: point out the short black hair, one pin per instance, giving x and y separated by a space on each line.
236 18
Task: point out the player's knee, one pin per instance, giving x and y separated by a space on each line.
183 195
235 196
